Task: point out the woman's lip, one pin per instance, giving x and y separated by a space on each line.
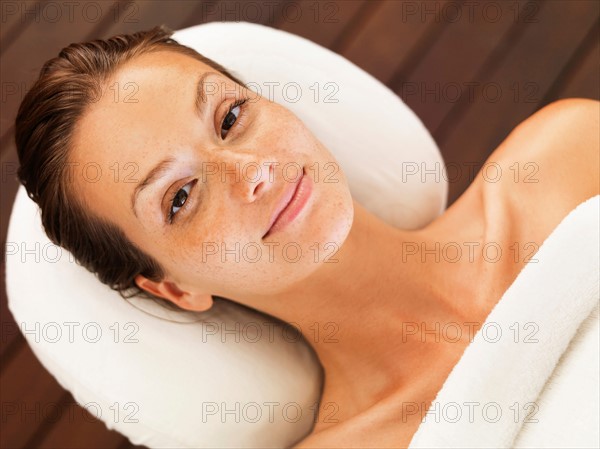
291 204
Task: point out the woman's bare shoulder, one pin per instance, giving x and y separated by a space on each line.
563 140
551 161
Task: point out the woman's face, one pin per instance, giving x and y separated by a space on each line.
231 172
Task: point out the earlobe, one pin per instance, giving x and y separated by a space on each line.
197 302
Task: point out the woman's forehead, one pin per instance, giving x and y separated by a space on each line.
160 63
139 104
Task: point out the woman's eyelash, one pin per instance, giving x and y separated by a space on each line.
171 215
234 105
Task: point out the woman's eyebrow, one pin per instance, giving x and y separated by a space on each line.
200 98
154 174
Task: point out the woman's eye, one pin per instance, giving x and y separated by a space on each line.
230 119
179 199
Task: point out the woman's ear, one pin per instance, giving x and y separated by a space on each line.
197 302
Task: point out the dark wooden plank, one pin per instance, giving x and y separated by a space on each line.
8 165
29 393
11 340
15 17
265 13
451 66
389 36
583 77
325 22
10 335
42 41
76 428
128 445
534 61
142 15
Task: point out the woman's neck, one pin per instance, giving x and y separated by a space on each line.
386 306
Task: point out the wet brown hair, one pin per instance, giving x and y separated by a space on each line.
44 126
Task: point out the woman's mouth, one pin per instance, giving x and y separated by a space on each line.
291 204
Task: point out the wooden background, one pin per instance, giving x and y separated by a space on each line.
471 71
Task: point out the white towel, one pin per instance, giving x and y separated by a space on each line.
535 384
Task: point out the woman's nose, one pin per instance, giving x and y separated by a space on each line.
251 180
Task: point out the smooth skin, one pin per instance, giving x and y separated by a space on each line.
375 366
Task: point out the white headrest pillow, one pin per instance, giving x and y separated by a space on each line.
179 384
